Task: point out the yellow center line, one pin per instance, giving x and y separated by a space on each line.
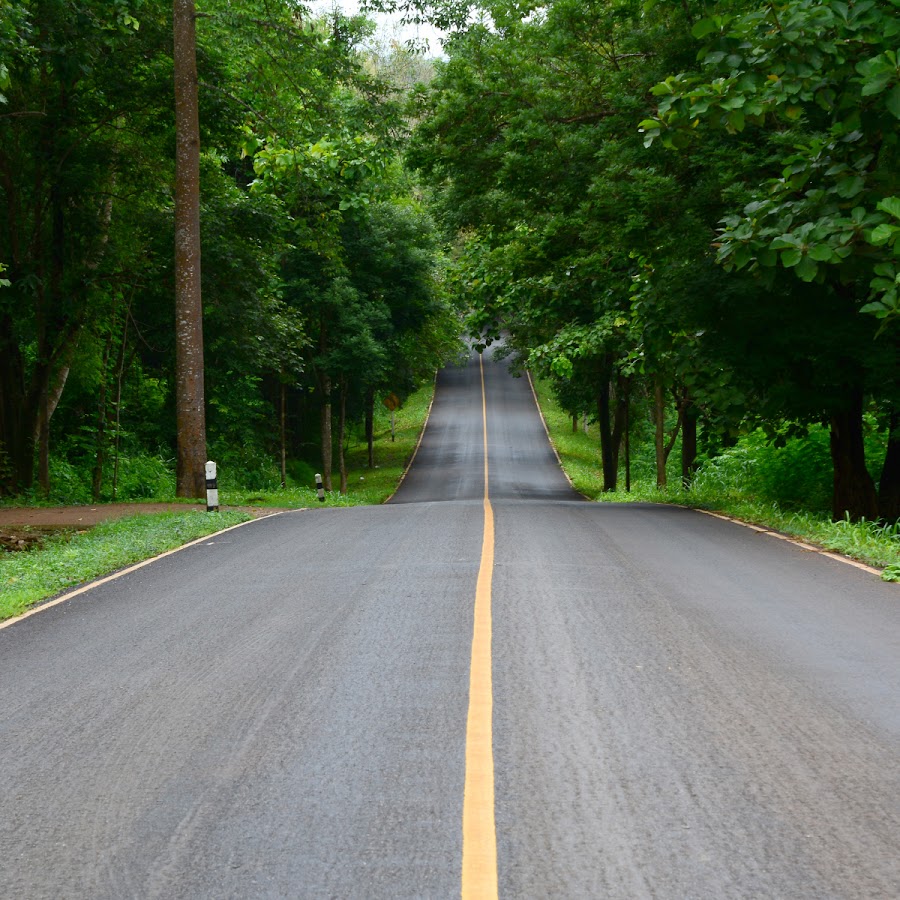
479 857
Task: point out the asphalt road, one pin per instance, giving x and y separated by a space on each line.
682 707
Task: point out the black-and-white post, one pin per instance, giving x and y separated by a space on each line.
212 488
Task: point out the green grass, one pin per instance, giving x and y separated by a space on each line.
262 486
30 576
365 486
739 484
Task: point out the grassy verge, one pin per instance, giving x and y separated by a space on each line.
27 578
65 560
365 486
720 488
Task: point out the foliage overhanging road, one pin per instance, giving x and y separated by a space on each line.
682 707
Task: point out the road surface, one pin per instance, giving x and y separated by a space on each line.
676 706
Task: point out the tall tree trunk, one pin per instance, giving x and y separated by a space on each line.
628 436
659 416
889 483
49 402
854 491
44 443
688 442
620 419
607 447
342 424
370 426
325 420
121 368
282 421
16 443
189 388
97 478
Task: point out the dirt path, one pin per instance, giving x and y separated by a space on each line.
24 526
83 516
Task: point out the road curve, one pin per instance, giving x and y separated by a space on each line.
681 707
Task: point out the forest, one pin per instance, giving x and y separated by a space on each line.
683 217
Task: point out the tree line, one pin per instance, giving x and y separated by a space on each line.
688 210
682 212
321 276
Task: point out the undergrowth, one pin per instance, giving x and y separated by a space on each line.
785 489
247 478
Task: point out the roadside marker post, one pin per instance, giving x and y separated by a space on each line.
320 490
212 488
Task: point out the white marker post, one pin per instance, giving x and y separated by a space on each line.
212 488
320 490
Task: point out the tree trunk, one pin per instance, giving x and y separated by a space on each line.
282 418
342 423
889 483
620 420
50 394
325 419
659 415
688 443
16 442
628 437
370 426
854 491
121 368
44 443
189 388
97 478
607 447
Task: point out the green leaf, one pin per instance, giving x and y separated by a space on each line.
821 253
704 27
893 101
807 269
850 187
735 121
890 205
882 234
791 258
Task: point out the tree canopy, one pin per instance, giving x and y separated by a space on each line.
690 206
299 181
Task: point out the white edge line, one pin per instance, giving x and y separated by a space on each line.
106 579
811 548
412 459
757 528
562 468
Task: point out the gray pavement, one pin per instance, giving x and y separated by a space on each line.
682 707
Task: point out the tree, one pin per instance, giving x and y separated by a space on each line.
70 77
190 397
821 83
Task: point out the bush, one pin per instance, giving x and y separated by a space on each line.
246 468
796 476
68 484
143 478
